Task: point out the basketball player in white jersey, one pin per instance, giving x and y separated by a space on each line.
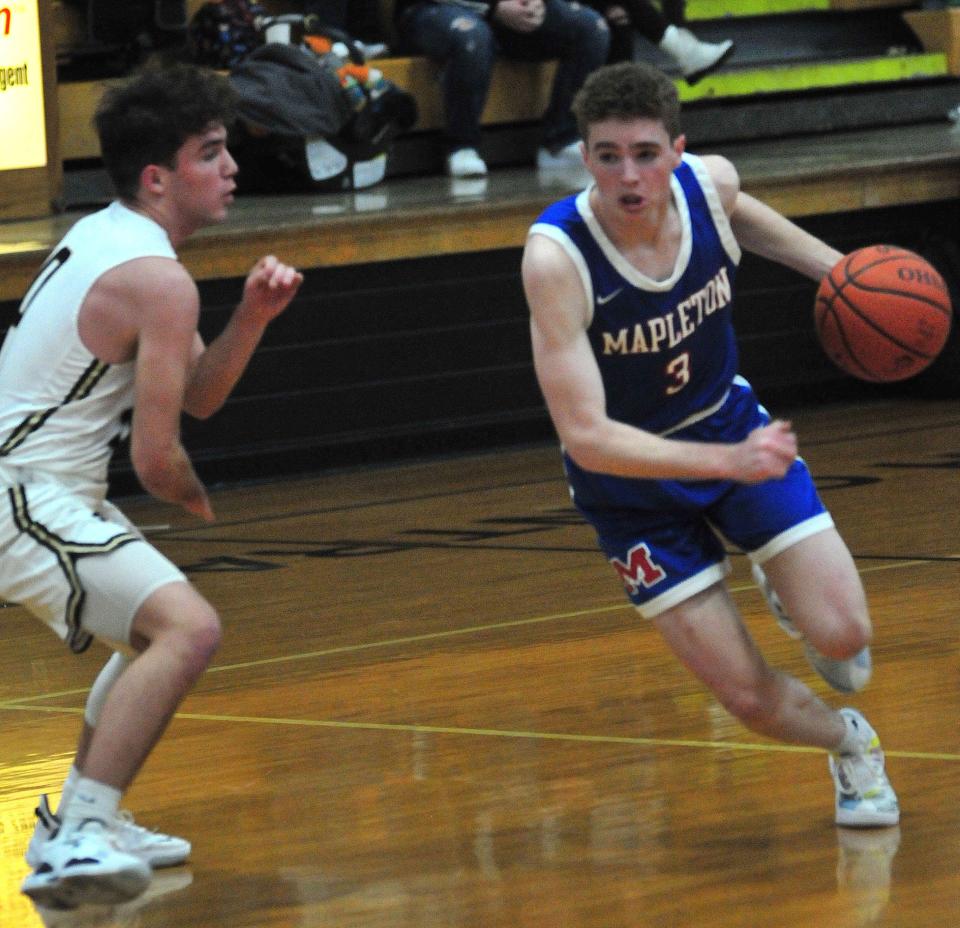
107 344
666 448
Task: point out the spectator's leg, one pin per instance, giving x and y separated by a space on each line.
646 18
329 12
465 47
643 17
674 11
576 35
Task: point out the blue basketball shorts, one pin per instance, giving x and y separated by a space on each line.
666 539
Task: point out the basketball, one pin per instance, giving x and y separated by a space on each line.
883 313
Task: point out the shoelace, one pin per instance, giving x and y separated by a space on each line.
124 819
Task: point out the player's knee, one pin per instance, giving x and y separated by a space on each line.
844 638
189 645
183 623
201 635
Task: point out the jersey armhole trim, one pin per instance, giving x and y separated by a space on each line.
720 219
557 235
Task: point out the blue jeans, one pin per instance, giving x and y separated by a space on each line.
466 45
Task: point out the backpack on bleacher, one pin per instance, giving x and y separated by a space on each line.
221 35
312 115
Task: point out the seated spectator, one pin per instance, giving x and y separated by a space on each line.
664 29
465 37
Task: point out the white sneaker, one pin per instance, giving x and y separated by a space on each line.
864 796
373 49
773 603
568 157
85 866
849 676
465 162
696 58
153 847
47 826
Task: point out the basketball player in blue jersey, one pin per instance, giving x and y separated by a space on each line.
106 344
630 285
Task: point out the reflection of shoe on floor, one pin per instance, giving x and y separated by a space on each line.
468 187
85 866
849 676
864 796
90 916
864 868
153 847
162 884
563 160
117 916
696 58
465 162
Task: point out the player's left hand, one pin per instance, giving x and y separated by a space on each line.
767 452
269 288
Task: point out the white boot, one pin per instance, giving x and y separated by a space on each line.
695 58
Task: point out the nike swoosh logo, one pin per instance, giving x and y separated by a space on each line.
608 297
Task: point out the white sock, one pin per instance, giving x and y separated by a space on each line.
855 738
92 799
69 788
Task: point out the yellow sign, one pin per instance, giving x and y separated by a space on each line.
23 136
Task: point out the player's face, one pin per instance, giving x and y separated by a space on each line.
202 183
632 162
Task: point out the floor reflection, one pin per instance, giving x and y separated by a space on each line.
127 915
864 869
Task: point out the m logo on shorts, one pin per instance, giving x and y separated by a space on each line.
640 569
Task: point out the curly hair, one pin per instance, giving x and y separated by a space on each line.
627 90
146 119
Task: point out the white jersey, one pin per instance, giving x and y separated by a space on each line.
62 410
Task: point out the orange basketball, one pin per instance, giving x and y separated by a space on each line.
883 313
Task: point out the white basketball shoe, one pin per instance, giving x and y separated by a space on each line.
85 866
153 847
864 796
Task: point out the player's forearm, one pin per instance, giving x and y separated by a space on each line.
623 451
765 232
220 366
167 474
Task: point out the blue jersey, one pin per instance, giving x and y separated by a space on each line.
666 349
668 358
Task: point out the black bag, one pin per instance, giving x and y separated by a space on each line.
222 34
300 129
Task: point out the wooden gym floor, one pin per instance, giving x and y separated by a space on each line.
433 707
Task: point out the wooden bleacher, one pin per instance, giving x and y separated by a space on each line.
757 97
520 90
410 333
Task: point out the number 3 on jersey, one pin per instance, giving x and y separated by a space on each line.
679 372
